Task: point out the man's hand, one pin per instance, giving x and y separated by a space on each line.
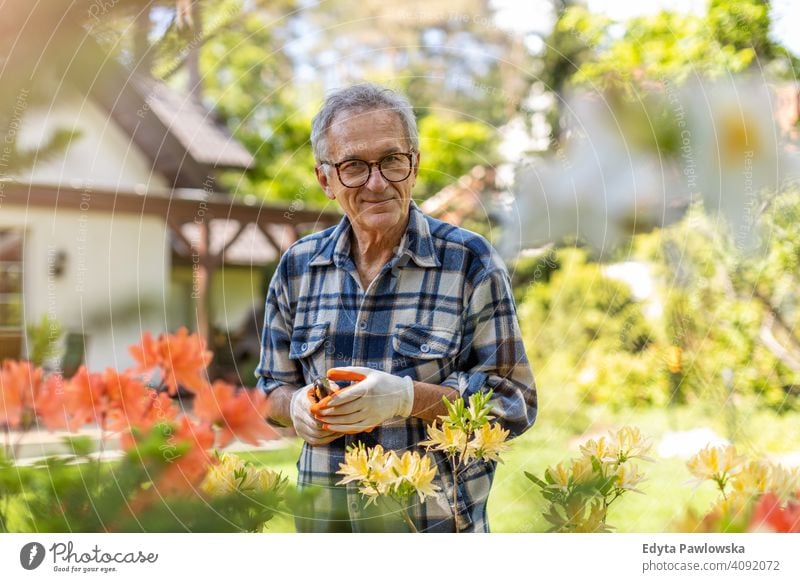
370 402
305 425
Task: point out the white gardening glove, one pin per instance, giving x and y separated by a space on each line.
368 403
305 425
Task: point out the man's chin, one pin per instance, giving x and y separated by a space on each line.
381 207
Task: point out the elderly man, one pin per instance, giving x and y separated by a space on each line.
424 309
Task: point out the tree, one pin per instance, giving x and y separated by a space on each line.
731 312
450 148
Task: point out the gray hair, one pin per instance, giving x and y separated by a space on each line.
361 97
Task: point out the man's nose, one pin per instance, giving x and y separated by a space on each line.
376 181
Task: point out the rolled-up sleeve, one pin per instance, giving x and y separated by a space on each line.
493 355
275 369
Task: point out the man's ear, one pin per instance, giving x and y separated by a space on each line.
322 178
415 169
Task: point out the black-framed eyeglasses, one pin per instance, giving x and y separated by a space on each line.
394 167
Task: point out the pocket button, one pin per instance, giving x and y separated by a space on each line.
424 348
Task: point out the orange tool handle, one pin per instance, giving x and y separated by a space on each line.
337 376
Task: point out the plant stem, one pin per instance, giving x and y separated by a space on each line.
454 464
6 442
409 522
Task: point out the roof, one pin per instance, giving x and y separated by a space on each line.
469 196
179 135
192 124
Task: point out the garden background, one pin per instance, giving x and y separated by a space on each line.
680 320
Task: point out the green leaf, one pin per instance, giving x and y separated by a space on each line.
535 479
81 446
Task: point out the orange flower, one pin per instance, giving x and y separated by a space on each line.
85 399
158 408
20 382
182 358
187 458
769 516
240 415
126 399
674 360
50 403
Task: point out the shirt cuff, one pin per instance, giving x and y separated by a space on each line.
467 383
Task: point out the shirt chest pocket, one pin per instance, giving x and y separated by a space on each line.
428 353
307 346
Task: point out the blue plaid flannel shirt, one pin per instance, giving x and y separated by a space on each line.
441 311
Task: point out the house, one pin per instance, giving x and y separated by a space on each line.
125 230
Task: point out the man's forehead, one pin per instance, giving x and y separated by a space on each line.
372 131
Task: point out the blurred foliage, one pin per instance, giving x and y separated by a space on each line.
719 305
447 56
711 342
591 50
582 306
451 148
247 77
44 340
529 270
727 331
586 317
251 76
79 493
730 37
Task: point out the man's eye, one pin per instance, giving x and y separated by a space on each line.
393 160
352 166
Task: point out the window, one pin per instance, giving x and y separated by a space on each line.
11 320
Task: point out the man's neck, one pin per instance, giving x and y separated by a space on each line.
371 248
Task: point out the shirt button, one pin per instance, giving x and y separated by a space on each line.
304 347
424 348
362 325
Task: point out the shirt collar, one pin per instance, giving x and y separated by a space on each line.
417 242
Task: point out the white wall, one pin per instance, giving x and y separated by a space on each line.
235 293
103 155
114 279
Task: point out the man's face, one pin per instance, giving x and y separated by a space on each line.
378 205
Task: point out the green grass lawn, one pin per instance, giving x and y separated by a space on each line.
515 504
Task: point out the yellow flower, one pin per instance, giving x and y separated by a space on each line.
784 482
752 480
403 467
733 507
628 477
232 462
222 478
489 441
559 474
422 477
412 470
356 465
380 472
233 474
266 480
219 481
602 449
594 522
450 440
716 463
582 470
630 444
